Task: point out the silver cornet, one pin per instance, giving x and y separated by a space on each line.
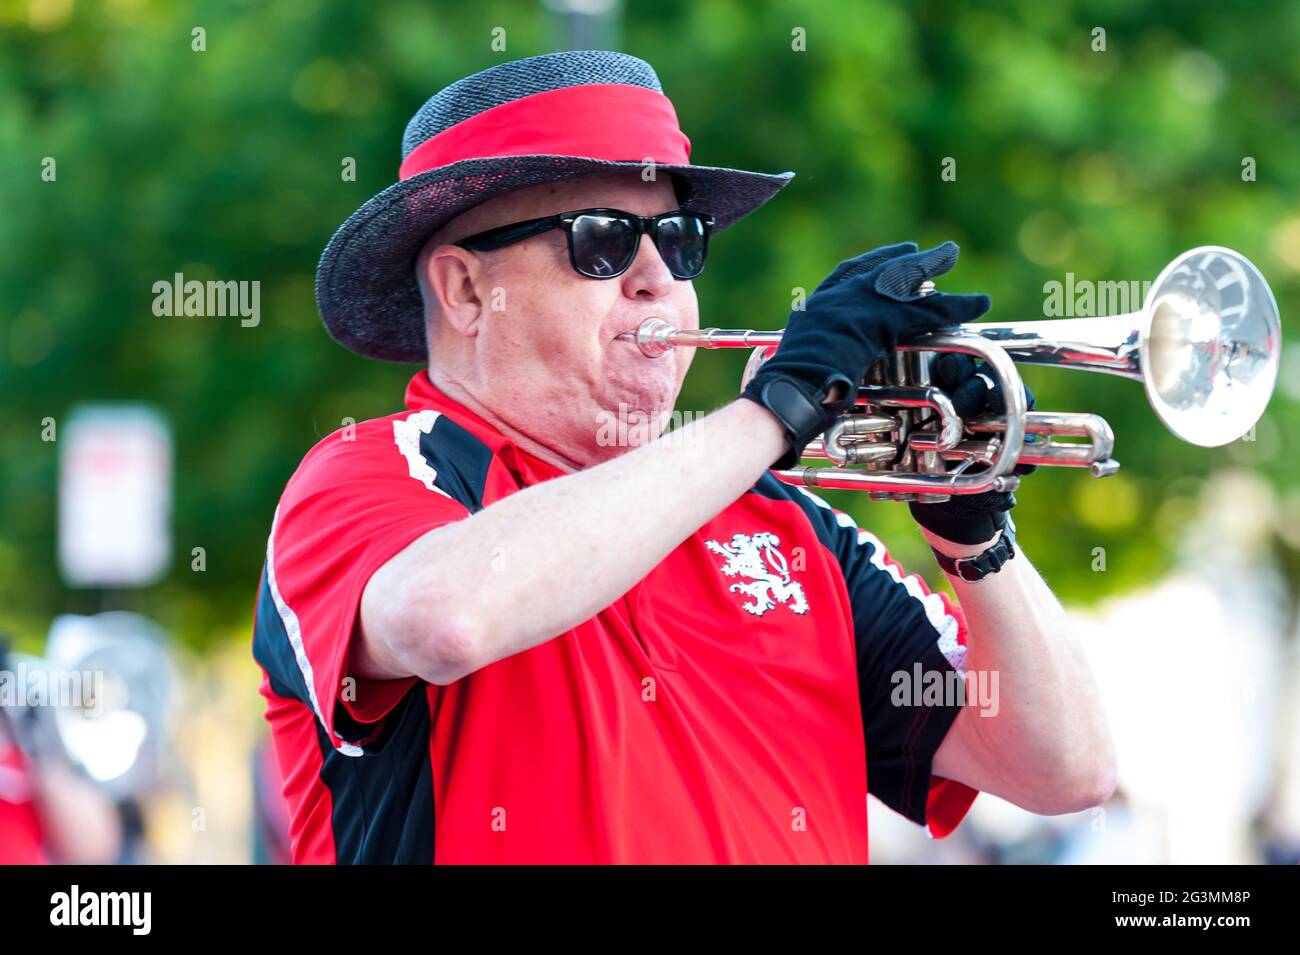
1206 344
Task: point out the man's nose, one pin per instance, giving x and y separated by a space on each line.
648 276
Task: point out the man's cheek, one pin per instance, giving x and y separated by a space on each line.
684 357
685 306
554 343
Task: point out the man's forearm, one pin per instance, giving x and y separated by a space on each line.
536 564
1048 718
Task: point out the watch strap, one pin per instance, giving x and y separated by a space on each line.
990 561
802 414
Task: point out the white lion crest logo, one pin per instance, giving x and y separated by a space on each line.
756 558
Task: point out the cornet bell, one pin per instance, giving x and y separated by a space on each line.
1211 346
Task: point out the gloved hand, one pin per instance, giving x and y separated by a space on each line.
855 316
970 518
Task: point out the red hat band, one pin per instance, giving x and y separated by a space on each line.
609 121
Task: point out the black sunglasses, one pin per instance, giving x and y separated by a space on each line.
603 242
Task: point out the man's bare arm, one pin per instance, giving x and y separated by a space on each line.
1044 742
566 549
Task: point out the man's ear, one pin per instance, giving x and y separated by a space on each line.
452 275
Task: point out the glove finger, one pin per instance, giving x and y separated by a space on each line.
997 400
971 398
950 369
864 263
941 310
958 309
901 277
997 403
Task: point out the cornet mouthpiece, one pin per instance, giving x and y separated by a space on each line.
654 337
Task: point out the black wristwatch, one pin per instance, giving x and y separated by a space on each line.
990 561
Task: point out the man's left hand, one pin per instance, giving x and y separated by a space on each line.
975 391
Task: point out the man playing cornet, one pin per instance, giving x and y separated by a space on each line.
487 636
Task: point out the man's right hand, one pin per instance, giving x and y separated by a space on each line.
854 316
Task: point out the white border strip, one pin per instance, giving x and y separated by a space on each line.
294 631
406 435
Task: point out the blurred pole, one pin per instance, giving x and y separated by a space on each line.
585 24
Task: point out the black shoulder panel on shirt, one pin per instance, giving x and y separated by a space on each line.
839 540
460 460
383 812
271 646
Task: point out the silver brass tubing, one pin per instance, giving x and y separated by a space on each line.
891 396
846 433
1000 452
853 455
860 424
655 337
858 454
836 450
1046 422
998 475
1061 423
1111 344
846 479
1056 455
1060 455
924 443
907 461
833 446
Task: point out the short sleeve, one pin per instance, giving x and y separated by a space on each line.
910 645
351 506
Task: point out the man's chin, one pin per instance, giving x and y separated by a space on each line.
631 422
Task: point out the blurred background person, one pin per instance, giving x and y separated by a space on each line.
48 811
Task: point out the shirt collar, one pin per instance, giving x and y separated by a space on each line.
422 394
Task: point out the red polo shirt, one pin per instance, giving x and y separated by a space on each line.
20 826
733 706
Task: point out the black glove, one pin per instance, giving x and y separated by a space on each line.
854 317
970 518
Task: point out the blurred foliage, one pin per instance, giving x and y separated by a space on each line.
226 163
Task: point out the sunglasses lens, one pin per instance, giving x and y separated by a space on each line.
603 245
682 241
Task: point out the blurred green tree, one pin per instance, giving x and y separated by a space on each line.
1102 160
